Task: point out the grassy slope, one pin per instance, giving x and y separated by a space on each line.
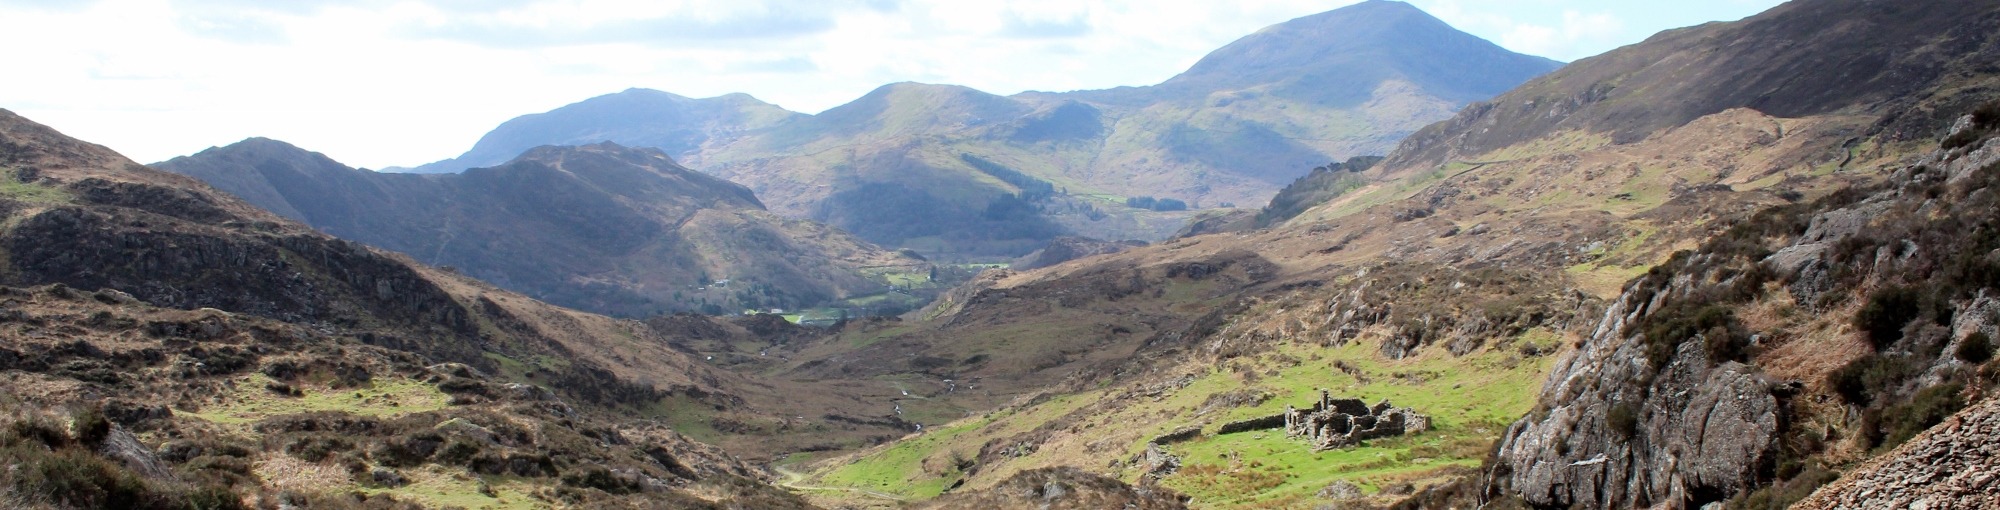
1469 409
1575 172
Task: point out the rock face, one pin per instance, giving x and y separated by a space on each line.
1697 433
1339 423
1951 466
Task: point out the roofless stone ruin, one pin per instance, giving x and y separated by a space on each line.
1339 423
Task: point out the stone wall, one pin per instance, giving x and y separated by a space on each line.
1258 423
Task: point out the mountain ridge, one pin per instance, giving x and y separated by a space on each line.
669 121
1233 128
600 227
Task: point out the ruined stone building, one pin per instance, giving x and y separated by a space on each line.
1338 423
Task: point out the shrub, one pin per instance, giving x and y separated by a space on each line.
75 478
1987 114
595 477
317 448
90 426
1725 345
1668 328
458 452
1977 348
1930 407
1887 311
1623 419
214 498
1781 495
37 430
1861 380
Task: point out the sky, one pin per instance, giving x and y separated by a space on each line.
377 83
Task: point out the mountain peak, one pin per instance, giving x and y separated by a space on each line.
1356 48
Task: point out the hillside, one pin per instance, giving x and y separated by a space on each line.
1903 64
600 228
943 169
1803 341
1460 285
166 343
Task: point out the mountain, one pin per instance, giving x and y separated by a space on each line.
1728 289
1898 62
1341 56
171 346
940 168
635 117
600 227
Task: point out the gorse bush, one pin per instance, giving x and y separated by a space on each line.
1888 310
1861 380
1623 419
1896 424
1724 336
76 478
91 426
1977 348
36 430
47 467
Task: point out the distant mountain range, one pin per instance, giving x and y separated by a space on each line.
600 227
927 166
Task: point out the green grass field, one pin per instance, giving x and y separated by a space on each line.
14 189
1469 399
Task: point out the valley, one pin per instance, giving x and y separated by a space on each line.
1746 264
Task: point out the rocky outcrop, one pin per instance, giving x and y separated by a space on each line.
1614 432
1068 248
1063 488
1663 405
1951 466
1218 222
1339 423
1157 462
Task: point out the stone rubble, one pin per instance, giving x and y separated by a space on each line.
1954 465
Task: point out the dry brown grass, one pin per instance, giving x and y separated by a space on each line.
288 473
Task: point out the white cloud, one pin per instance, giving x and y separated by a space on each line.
1578 35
